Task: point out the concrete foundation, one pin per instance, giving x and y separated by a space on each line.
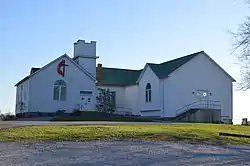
203 116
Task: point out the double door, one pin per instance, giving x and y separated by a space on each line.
86 100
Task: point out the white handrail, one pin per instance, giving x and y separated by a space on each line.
199 104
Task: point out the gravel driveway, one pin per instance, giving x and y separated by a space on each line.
103 153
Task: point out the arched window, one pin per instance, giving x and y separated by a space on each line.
148 92
60 90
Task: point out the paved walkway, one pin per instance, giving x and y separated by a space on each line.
126 153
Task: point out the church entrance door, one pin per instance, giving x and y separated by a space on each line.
86 98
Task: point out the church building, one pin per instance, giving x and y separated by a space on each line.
190 88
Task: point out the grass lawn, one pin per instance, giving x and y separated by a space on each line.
185 132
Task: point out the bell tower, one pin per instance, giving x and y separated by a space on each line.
85 55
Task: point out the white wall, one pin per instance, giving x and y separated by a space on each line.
131 96
82 48
198 74
149 77
41 88
22 96
120 96
86 53
152 113
88 64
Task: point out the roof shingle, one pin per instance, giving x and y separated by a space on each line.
164 69
119 77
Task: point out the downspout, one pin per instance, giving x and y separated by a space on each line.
163 99
231 113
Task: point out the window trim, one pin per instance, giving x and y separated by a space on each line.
148 93
60 84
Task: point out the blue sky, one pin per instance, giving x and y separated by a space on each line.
129 33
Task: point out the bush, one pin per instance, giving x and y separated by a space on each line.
39 113
7 116
77 115
51 114
60 112
105 101
20 115
76 112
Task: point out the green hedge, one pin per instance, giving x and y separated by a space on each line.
98 116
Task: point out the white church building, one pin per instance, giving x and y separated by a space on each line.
192 88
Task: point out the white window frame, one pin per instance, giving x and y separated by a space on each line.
60 84
148 91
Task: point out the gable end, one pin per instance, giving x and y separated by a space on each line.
36 70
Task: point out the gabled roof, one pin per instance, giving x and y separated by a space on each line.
119 77
34 71
124 77
162 70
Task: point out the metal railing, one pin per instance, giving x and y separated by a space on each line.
201 104
123 111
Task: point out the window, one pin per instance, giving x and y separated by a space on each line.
60 90
148 92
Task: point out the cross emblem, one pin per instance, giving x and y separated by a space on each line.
61 67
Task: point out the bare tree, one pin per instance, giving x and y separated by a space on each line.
242 47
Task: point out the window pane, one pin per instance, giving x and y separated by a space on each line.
63 93
148 86
56 93
60 82
149 95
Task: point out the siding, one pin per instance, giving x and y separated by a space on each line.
88 64
22 96
155 104
41 88
198 74
131 95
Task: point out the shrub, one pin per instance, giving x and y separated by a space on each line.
60 112
105 101
7 116
20 115
51 114
39 113
76 112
